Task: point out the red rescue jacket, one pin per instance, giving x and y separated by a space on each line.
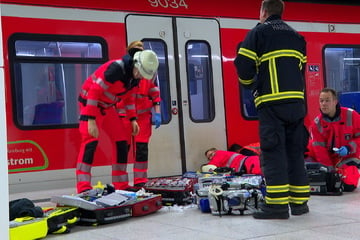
236 161
326 134
106 86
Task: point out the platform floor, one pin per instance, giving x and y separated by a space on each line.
330 218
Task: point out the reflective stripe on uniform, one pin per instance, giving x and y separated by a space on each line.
231 159
279 96
86 168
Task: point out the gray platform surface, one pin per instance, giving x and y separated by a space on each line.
330 218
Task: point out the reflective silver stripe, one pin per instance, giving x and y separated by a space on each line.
91 102
121 110
140 165
84 92
130 107
154 89
140 175
231 159
349 117
83 178
121 178
241 164
318 125
119 167
140 111
321 144
83 167
348 160
139 96
111 96
105 105
100 82
357 134
353 146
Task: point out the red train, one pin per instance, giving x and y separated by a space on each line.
50 47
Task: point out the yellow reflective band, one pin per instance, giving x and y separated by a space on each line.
273 76
277 188
279 96
284 200
283 53
246 82
299 189
298 199
248 53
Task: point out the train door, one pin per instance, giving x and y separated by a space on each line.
190 81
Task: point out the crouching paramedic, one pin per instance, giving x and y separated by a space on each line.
100 92
240 163
335 138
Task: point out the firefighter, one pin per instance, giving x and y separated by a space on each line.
238 162
111 82
335 138
271 62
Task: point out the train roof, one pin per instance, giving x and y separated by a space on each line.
333 11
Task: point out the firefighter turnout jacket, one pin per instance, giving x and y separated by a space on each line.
272 69
271 62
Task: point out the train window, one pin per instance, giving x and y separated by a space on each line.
47 74
54 49
248 105
342 73
162 78
199 81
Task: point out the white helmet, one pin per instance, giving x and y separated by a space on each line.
208 168
147 63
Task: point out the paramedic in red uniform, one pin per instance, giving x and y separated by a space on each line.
335 138
252 149
271 61
147 97
239 162
110 83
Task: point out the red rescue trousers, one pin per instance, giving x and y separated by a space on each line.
109 124
142 150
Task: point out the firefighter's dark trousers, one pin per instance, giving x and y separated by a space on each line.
282 153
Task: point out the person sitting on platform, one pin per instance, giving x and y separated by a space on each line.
335 139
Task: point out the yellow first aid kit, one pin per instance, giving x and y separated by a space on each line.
28 228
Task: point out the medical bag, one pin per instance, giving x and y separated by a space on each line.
144 205
28 228
173 190
323 180
61 219
240 193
